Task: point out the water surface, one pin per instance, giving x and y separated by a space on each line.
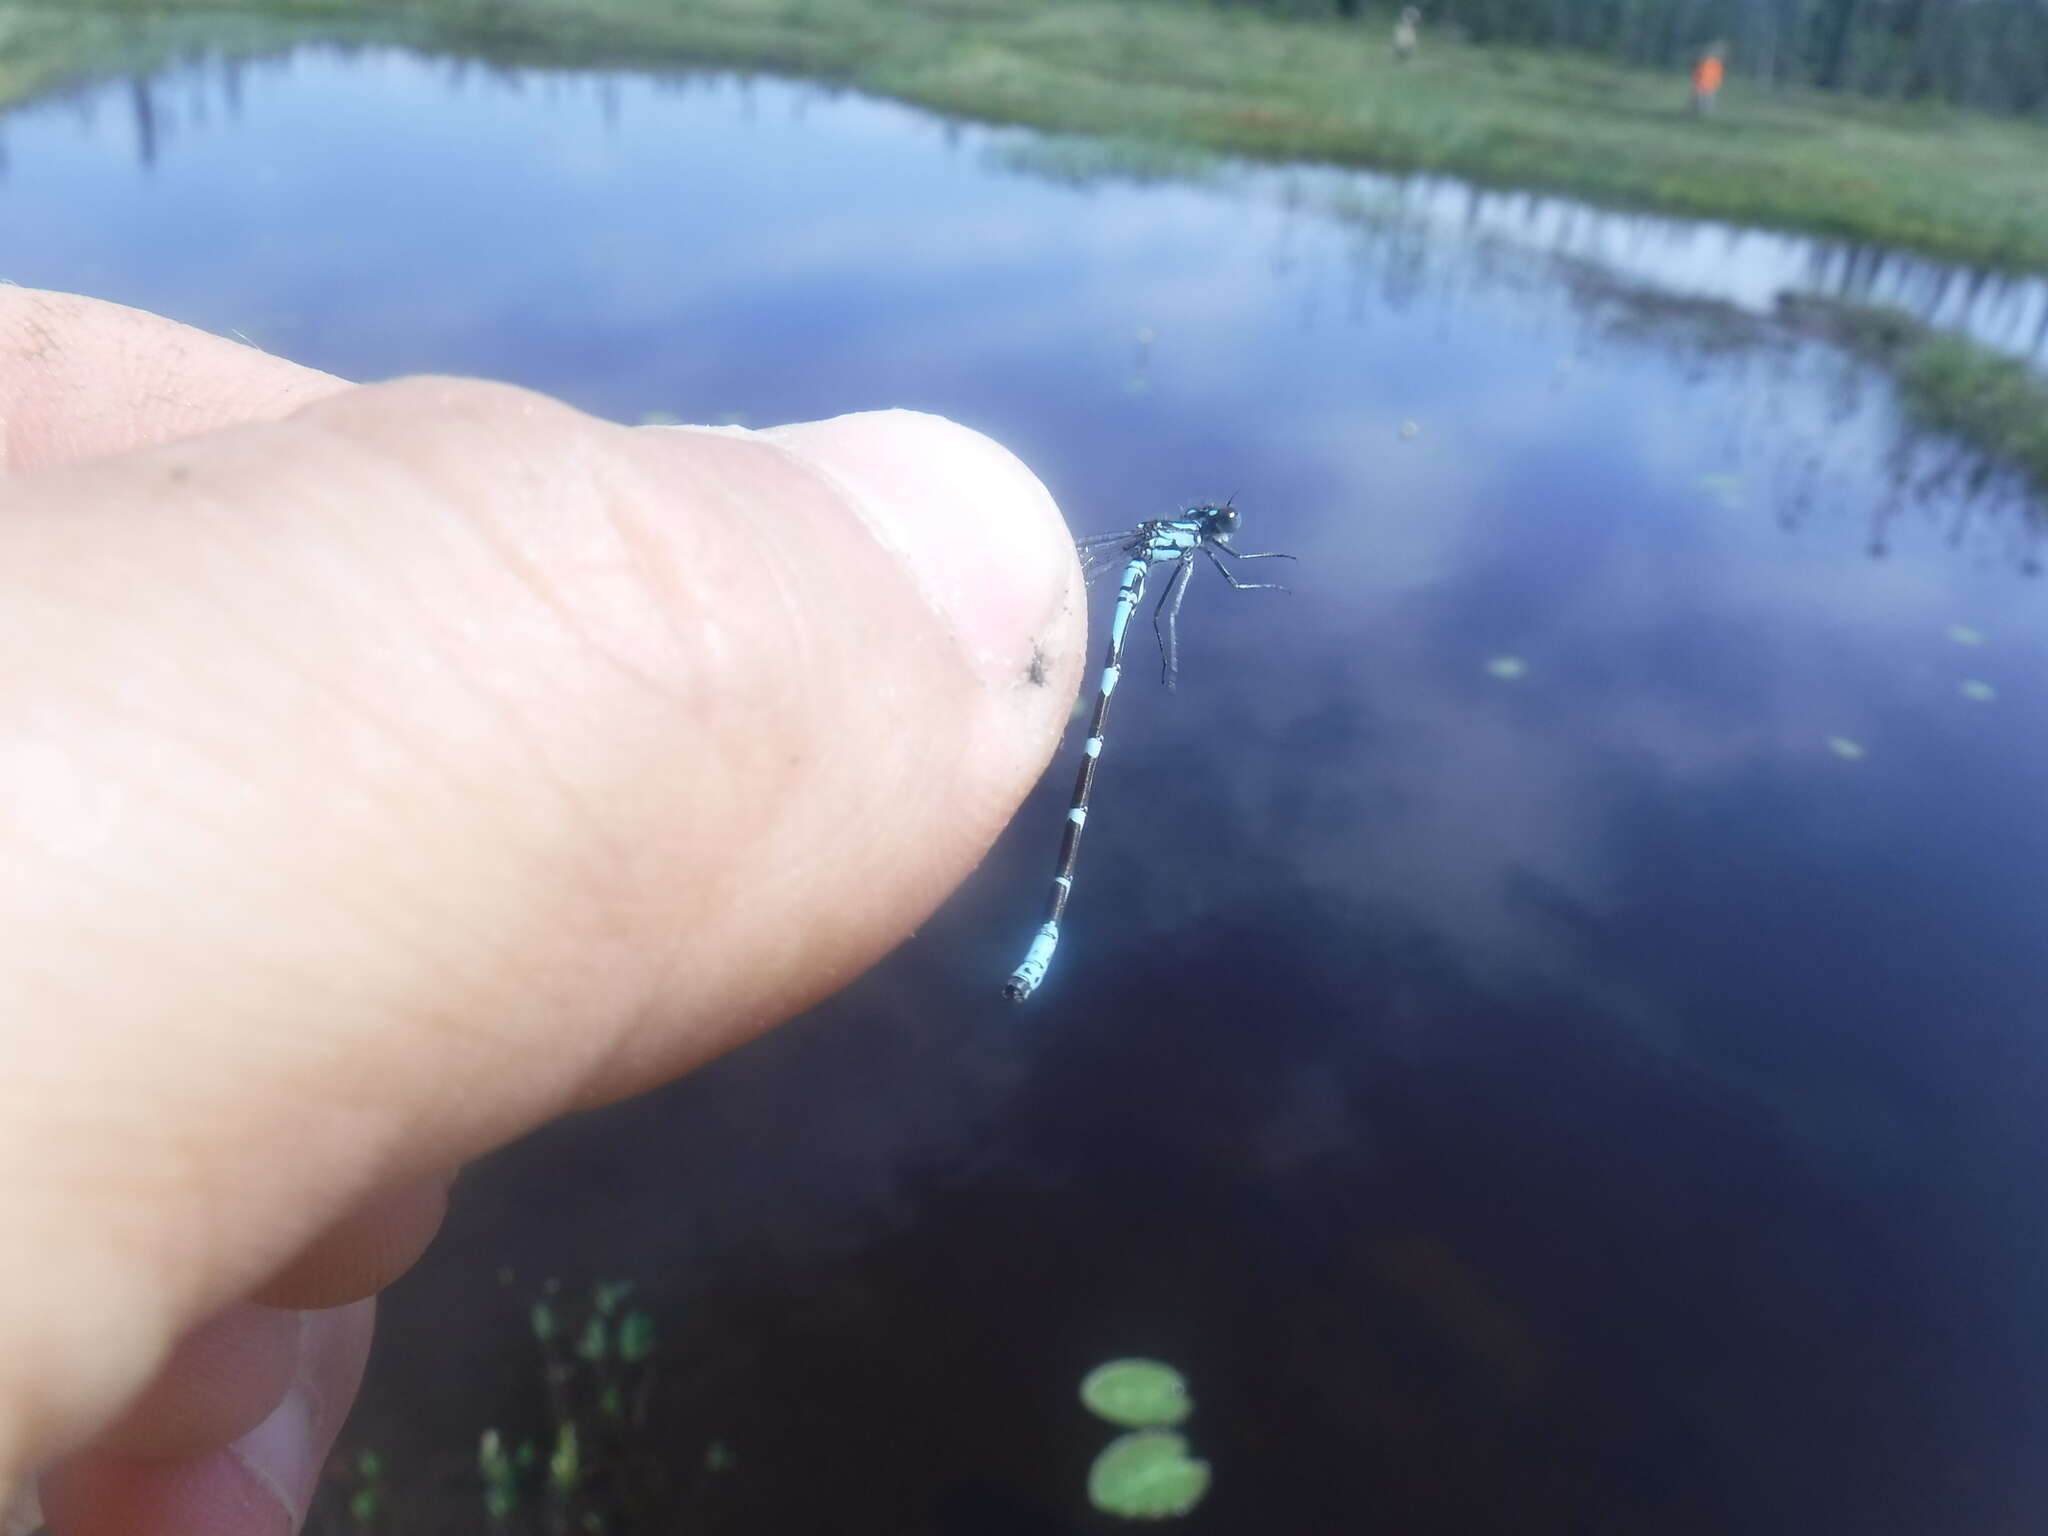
1550 1036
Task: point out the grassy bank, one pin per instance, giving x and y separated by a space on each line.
1947 383
1183 72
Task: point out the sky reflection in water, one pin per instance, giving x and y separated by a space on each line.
1579 1096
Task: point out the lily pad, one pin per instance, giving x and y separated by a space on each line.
1138 1394
1728 489
1147 1475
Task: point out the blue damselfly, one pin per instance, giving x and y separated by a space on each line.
1198 530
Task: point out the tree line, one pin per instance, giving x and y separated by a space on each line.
1987 54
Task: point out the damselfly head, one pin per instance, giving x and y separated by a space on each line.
1218 522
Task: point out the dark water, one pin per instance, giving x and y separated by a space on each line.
1601 1099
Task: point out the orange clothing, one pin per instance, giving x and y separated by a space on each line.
1706 75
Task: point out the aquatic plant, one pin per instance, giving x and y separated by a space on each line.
582 1464
1147 1475
1993 402
1137 1394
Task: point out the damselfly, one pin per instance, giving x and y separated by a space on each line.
1198 530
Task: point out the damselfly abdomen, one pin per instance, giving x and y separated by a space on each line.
1198 530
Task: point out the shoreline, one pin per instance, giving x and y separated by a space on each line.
1940 182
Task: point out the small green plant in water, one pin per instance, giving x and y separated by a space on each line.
366 1502
565 1464
1137 1394
1728 488
500 1473
598 1371
1148 1473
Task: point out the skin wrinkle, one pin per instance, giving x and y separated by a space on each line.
731 692
840 673
132 711
745 690
34 332
531 576
503 547
55 404
767 627
455 656
656 573
203 1184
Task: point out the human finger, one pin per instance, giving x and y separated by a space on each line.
385 780
82 379
364 1251
261 1485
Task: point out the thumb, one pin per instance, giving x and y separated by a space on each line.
378 782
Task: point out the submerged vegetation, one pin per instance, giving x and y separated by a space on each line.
1181 73
584 1462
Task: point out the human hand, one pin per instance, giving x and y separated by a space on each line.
385 770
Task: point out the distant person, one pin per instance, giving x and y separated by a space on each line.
1706 77
1404 33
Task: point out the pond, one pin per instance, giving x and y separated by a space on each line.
1551 1032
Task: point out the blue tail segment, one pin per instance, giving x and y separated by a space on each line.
1171 541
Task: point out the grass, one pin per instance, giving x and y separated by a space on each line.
1947 383
1188 74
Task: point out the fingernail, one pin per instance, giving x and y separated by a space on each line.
975 527
284 1452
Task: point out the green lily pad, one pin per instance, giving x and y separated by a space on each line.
1147 1475
1138 1394
1975 688
1727 489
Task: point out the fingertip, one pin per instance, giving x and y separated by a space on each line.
976 529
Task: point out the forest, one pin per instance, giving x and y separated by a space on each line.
1991 55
